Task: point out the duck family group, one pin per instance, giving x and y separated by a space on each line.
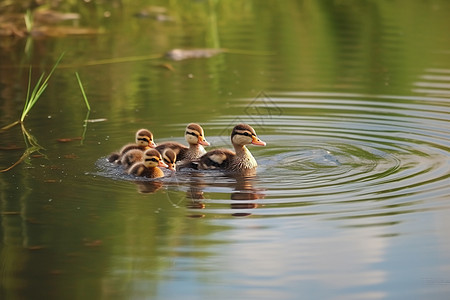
144 157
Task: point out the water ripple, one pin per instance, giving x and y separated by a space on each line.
388 151
336 155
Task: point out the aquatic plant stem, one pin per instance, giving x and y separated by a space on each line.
82 91
83 135
28 20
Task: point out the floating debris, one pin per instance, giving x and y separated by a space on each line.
11 147
50 181
36 247
52 16
158 13
95 243
167 67
96 120
61 31
182 54
41 24
10 213
67 140
71 156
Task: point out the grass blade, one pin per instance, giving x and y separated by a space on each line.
27 99
29 102
82 91
28 20
38 89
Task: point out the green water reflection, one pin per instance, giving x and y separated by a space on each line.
67 232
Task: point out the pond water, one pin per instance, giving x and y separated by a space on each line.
351 198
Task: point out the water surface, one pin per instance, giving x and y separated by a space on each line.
351 196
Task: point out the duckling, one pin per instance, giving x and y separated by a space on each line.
144 140
194 135
170 158
131 157
239 161
149 166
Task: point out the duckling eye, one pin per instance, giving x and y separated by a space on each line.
151 159
191 133
247 134
145 139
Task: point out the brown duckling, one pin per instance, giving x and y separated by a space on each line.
148 167
195 137
144 141
170 158
227 160
131 157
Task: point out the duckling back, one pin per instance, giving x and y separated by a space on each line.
131 157
221 159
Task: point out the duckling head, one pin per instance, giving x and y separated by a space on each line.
153 159
145 138
194 135
170 157
244 134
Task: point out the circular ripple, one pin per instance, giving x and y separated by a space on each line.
376 152
340 155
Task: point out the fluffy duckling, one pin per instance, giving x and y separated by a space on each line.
170 158
131 157
227 160
144 141
148 167
195 137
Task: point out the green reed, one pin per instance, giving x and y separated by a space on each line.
33 95
38 89
82 91
83 135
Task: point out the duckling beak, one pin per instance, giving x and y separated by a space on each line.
202 141
152 144
256 141
171 167
162 164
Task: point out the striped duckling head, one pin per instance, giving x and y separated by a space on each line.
152 158
145 138
244 134
169 157
194 135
